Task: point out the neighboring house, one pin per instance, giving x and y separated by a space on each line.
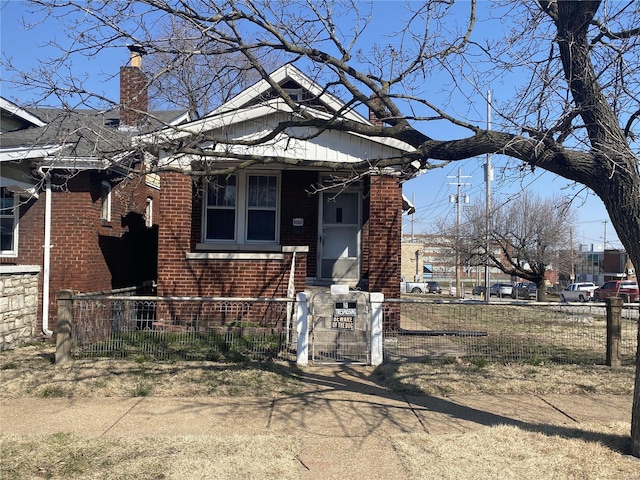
70 208
259 231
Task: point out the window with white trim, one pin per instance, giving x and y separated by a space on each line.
148 213
8 223
105 201
242 208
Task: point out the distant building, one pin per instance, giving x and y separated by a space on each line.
598 266
432 257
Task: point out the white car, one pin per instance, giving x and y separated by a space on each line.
578 292
501 290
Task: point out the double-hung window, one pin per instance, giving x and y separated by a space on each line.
242 209
105 201
221 215
8 223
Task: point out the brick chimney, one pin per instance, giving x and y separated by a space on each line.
134 102
372 116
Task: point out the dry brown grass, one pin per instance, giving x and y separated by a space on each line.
485 453
468 378
30 372
507 452
63 456
501 452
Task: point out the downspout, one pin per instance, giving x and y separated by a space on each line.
47 254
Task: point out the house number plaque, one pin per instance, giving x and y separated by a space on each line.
344 316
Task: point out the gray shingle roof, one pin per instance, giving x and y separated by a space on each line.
86 133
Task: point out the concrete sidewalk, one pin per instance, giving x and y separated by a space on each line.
344 425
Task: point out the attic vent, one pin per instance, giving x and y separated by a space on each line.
296 94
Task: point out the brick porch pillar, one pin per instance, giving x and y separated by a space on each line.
174 232
384 239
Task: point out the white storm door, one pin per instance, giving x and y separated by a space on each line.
339 249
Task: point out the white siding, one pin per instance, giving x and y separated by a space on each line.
331 145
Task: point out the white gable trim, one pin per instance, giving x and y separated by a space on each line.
289 72
20 112
11 154
19 187
211 123
229 118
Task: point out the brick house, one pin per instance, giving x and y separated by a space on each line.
265 230
70 208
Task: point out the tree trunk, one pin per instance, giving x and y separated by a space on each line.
542 290
635 409
613 175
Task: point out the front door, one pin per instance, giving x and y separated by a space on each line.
339 249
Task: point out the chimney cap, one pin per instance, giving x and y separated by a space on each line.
136 48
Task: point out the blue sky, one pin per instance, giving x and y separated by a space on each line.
431 191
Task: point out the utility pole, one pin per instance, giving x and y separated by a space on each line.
572 275
458 199
488 178
413 201
605 236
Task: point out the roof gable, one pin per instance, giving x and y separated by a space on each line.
259 101
17 118
290 78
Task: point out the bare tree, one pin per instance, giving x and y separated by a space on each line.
575 115
525 235
200 81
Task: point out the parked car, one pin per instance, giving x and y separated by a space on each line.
413 287
525 290
478 290
625 289
501 289
578 292
433 287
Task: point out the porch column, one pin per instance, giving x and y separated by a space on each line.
174 231
384 238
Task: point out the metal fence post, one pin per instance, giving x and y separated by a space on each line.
64 325
302 328
614 331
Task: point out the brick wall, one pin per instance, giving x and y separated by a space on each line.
297 203
87 253
180 231
383 239
174 235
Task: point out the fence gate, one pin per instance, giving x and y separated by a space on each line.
340 328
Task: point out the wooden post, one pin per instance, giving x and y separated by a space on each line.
64 325
614 331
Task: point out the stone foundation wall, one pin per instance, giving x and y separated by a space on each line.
18 304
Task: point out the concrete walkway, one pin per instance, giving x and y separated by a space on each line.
343 425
